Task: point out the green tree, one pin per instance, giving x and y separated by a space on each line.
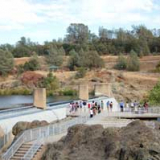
54 57
50 82
74 60
121 63
77 33
6 62
81 72
133 62
154 94
91 59
32 65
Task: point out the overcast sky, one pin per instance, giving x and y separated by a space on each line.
43 20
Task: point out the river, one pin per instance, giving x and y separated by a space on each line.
17 100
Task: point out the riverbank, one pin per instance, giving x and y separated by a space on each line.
29 91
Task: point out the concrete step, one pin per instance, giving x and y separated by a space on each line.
16 158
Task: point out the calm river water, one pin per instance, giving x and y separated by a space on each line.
11 101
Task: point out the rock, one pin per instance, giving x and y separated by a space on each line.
30 78
21 126
133 142
1 132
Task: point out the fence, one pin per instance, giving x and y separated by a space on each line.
40 133
5 139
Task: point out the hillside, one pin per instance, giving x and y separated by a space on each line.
124 85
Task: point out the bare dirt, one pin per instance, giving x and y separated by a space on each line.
124 85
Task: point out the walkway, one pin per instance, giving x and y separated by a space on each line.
52 133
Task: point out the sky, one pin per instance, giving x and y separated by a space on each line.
45 20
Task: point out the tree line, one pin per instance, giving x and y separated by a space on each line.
140 39
84 48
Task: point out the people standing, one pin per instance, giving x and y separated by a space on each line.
102 105
145 106
127 106
108 105
99 109
111 106
91 112
121 106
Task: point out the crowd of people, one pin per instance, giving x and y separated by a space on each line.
96 107
92 107
133 107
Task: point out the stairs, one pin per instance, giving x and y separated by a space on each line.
23 150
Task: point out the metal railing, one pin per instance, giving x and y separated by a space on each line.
41 133
32 151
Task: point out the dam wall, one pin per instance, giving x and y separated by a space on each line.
47 115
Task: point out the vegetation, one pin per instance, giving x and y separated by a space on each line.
68 92
16 91
154 95
6 62
121 63
157 67
32 65
140 39
55 55
85 59
133 62
51 83
81 72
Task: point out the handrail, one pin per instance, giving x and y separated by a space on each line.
42 132
32 151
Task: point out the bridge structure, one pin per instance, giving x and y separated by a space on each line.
35 138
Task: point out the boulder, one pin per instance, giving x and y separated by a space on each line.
133 142
21 126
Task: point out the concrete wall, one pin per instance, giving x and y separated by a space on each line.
115 104
48 115
40 98
102 89
83 92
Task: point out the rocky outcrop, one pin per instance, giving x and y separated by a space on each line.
21 126
134 142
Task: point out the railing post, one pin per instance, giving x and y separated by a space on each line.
48 130
31 134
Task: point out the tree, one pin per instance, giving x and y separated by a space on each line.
50 82
21 51
121 63
32 65
74 60
77 33
133 62
54 57
154 94
91 59
6 62
81 72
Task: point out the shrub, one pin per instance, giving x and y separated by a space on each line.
154 94
68 92
55 56
133 62
32 65
16 91
121 63
81 72
6 62
50 82
158 67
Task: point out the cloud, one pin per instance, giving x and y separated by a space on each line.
42 14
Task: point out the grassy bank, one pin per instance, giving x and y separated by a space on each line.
27 91
15 91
